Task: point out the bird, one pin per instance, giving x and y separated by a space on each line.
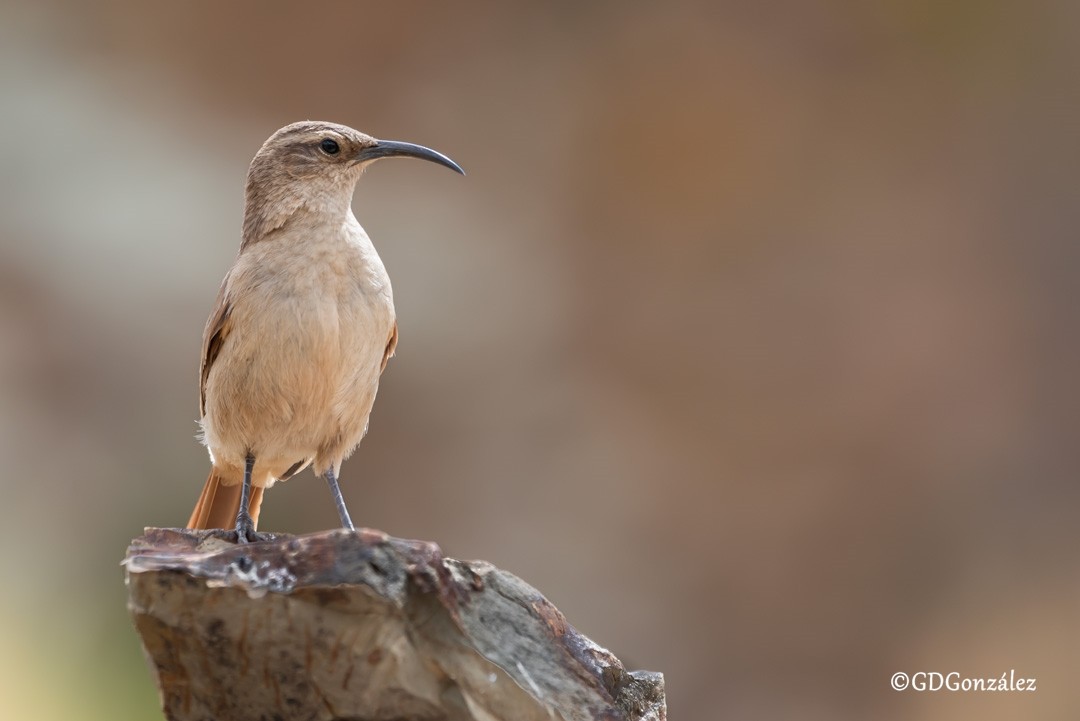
302 328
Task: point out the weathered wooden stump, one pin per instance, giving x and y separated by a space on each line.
351 626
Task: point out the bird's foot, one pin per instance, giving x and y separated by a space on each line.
245 530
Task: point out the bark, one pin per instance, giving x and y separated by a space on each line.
352 626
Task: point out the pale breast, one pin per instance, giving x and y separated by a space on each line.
300 379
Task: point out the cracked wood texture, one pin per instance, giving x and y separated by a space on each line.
359 626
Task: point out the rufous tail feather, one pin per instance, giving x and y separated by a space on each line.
218 504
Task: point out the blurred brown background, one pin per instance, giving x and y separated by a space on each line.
750 337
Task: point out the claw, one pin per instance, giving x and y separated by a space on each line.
245 530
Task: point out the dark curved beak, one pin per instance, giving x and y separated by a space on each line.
396 148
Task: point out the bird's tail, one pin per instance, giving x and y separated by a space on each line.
219 503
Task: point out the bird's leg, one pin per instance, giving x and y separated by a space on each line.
339 502
245 526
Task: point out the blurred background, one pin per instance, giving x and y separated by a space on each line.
750 338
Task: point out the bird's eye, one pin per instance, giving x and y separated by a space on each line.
329 146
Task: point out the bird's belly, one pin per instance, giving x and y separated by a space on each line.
307 390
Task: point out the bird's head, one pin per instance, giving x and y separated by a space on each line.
315 165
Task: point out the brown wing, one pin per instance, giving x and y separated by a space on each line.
217 329
391 346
